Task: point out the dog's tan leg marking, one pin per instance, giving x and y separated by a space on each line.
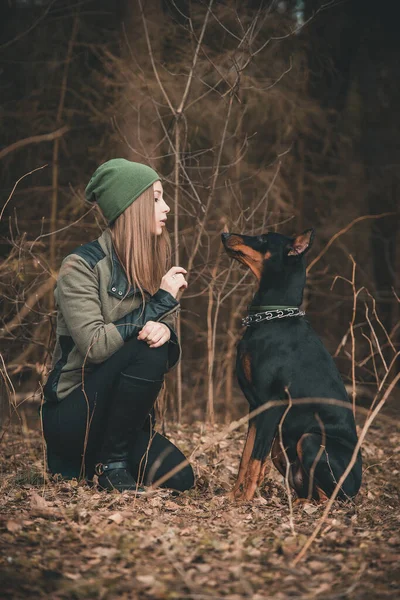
299 446
278 456
322 496
252 479
300 476
244 461
316 491
246 365
262 472
249 480
296 472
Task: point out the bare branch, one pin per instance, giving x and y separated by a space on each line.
342 232
28 306
34 139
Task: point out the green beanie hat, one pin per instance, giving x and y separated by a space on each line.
117 183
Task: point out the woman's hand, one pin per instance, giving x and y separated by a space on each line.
154 334
174 280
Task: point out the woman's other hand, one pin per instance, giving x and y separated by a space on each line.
174 280
154 334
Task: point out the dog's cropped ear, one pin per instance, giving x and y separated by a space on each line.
302 243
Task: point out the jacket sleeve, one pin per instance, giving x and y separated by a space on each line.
157 308
174 348
79 301
161 307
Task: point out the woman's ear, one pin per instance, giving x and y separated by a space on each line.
302 243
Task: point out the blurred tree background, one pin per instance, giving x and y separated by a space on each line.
260 115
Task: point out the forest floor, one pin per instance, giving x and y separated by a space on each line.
64 540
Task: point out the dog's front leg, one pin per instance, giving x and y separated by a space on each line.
249 479
244 461
253 463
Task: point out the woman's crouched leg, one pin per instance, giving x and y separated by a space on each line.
74 427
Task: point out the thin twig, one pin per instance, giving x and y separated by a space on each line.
15 185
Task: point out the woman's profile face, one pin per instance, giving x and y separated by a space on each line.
161 208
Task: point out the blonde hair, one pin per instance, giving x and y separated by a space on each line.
144 256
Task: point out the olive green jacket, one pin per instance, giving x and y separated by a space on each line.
97 312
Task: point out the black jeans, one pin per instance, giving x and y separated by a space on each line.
74 427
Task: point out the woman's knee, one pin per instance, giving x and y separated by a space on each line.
149 363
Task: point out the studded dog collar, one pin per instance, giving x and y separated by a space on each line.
269 313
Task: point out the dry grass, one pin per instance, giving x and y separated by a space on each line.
65 540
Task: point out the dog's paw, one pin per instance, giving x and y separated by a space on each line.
242 494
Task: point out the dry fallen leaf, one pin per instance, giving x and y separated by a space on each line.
73 576
39 503
105 552
201 540
147 580
203 568
169 505
40 506
316 565
13 526
117 518
310 508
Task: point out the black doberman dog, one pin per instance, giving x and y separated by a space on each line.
281 358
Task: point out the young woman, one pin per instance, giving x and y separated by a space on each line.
116 304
